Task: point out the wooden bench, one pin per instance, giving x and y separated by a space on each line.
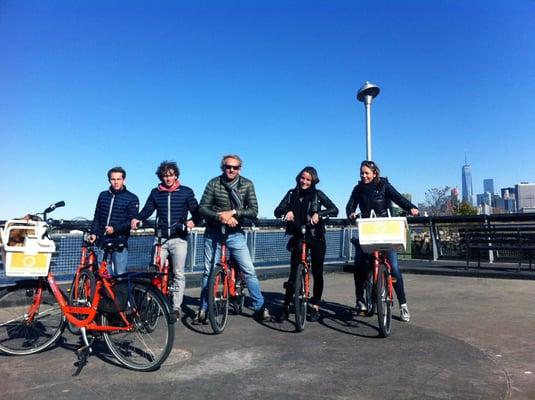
519 238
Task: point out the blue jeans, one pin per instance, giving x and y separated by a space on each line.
119 261
238 250
362 267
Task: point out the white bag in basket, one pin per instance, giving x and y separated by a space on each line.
378 233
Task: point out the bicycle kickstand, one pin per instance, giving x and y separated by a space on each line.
83 352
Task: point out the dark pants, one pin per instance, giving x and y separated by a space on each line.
363 267
317 248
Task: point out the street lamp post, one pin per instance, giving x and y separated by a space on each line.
366 94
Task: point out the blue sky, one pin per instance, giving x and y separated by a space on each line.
88 85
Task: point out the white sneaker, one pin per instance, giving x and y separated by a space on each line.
404 313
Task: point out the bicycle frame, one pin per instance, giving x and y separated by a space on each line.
379 257
91 312
161 281
231 272
304 261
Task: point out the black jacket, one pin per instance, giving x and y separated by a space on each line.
171 208
379 201
319 199
115 209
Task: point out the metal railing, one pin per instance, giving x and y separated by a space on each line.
431 238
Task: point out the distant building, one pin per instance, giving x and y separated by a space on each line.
488 186
509 199
525 197
484 198
508 193
468 192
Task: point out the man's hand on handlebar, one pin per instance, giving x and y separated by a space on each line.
190 224
92 238
415 212
109 230
135 224
353 215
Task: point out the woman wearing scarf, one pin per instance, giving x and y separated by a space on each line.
303 205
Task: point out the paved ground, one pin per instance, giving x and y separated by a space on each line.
469 338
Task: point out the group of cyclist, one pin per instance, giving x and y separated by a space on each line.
229 200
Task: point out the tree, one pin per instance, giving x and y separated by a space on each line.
466 209
438 201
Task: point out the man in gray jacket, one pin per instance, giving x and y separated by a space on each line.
227 201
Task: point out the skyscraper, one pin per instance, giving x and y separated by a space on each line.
525 197
488 186
467 183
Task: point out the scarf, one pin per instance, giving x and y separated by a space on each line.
163 188
300 204
235 196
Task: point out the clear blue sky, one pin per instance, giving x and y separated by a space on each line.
87 85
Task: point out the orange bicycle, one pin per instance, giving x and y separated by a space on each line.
162 267
301 284
226 286
131 315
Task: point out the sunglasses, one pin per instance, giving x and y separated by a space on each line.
232 167
369 164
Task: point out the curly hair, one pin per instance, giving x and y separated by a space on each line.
166 166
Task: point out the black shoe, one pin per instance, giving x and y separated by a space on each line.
314 315
262 315
177 314
285 314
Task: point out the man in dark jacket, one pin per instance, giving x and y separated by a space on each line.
172 202
114 210
228 200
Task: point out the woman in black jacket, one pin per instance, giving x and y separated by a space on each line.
303 206
376 193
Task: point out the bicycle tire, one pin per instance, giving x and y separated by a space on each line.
369 298
148 344
383 302
82 293
18 336
300 299
218 299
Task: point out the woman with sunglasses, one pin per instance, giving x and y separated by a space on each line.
303 205
375 193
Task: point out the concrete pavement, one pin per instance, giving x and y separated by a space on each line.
469 338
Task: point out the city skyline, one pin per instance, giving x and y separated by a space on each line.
131 83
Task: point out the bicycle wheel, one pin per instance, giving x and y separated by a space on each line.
300 299
369 295
383 301
218 299
81 295
149 341
19 333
